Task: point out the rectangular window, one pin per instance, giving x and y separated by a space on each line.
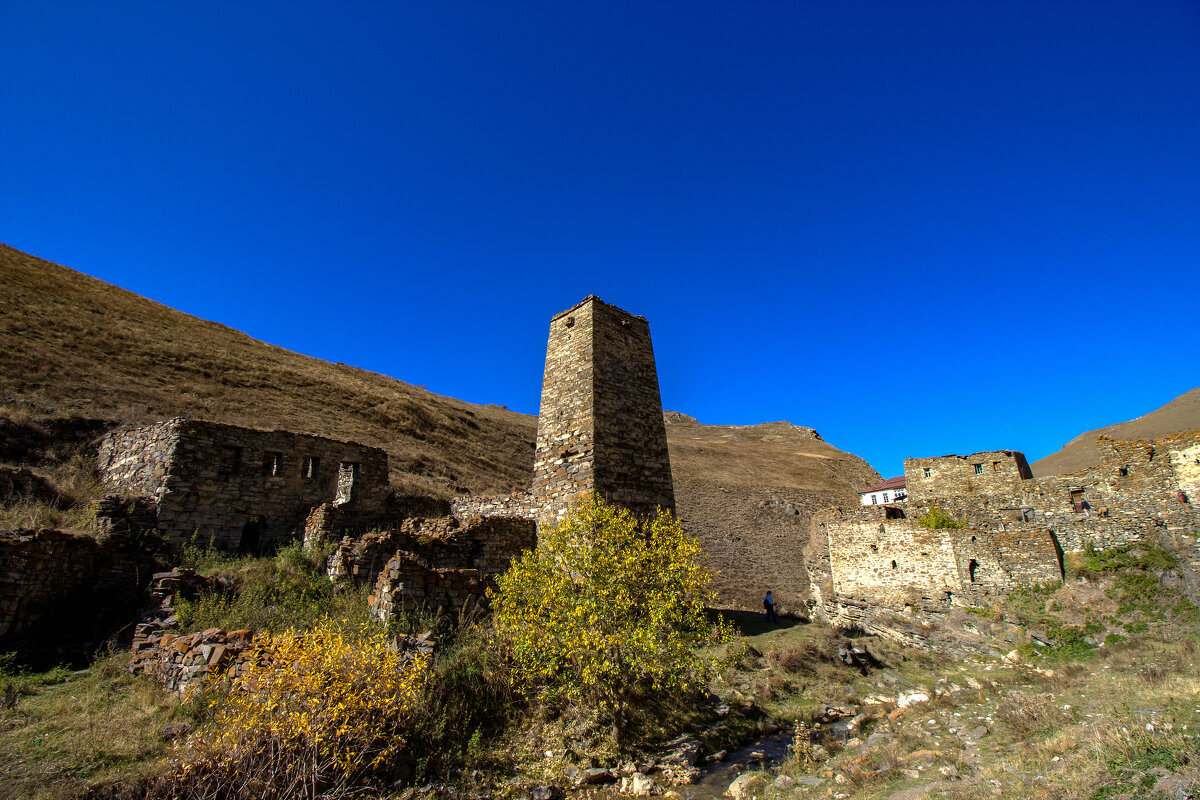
874 500
928 472
995 466
309 466
231 460
979 469
271 464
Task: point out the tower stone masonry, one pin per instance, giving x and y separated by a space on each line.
601 426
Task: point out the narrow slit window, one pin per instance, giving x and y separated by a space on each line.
309 467
271 464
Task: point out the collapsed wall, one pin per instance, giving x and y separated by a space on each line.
429 565
59 588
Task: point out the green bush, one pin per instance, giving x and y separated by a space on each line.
938 519
287 590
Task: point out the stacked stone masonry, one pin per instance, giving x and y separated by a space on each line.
239 488
600 427
1017 527
435 565
55 578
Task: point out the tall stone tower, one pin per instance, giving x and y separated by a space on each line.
601 425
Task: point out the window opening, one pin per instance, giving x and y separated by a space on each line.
928 472
974 565
979 469
231 459
308 468
893 563
271 464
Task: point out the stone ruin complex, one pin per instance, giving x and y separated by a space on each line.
237 489
1017 528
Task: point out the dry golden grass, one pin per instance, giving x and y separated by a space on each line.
748 492
74 345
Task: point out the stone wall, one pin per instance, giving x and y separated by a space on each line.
600 426
995 473
238 488
485 544
520 505
68 585
880 556
432 564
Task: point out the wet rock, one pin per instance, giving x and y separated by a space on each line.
682 752
638 785
740 788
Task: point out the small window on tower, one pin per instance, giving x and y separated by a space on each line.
928 472
979 469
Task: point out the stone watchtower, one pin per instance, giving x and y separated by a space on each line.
601 424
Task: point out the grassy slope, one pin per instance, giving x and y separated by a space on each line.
72 344
749 492
1181 414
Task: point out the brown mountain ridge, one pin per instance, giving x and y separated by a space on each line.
1181 414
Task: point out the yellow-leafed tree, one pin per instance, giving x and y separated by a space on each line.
605 607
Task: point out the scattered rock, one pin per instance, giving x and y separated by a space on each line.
638 785
739 789
784 782
599 775
906 700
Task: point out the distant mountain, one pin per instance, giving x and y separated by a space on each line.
1181 414
749 491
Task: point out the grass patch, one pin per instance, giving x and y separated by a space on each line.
287 590
64 734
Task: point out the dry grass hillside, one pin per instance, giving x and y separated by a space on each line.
1181 414
72 345
749 491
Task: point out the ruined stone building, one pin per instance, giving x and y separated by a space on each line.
237 488
1017 528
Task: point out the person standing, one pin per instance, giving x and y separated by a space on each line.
769 605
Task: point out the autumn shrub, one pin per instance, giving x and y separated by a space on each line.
937 519
320 713
606 609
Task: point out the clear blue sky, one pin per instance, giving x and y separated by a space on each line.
920 228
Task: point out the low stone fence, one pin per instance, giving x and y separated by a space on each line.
520 505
